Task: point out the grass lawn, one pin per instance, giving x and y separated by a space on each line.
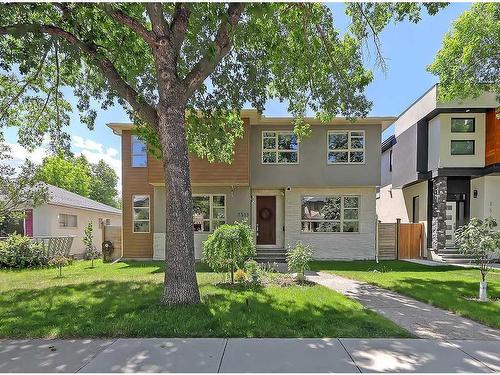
122 300
442 286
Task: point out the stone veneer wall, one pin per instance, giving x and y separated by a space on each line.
439 195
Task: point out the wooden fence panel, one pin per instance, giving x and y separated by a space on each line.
410 241
387 241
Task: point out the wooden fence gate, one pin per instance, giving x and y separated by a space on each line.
399 241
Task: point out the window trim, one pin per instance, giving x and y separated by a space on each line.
132 154
67 227
149 213
463 118
348 150
276 150
211 207
341 221
463 140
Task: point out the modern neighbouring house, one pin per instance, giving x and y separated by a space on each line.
66 214
442 167
320 191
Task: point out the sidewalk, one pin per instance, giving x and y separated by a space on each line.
421 319
249 355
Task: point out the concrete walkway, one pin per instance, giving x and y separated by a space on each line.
249 355
433 263
419 318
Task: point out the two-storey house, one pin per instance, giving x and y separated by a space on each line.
320 191
442 167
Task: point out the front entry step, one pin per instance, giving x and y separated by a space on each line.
271 255
451 255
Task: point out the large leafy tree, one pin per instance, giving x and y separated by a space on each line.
103 184
468 62
95 181
72 174
19 189
183 71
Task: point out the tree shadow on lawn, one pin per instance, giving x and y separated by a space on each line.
131 309
382 266
449 294
158 264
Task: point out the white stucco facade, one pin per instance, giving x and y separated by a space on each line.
46 223
440 137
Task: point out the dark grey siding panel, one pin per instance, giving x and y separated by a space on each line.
313 169
385 168
405 158
422 146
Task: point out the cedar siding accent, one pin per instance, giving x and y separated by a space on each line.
135 182
492 138
205 173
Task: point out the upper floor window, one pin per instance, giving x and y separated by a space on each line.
141 216
346 147
139 152
209 212
463 125
68 221
462 147
330 214
279 147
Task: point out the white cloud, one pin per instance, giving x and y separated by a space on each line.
94 152
87 144
19 153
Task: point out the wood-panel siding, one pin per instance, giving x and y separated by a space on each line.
492 138
204 172
134 182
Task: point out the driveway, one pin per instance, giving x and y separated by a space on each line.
249 355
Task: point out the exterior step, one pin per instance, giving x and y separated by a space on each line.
271 255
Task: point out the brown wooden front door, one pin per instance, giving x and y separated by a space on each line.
266 220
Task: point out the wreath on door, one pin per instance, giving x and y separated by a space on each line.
265 213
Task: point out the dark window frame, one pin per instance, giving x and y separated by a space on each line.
463 118
460 141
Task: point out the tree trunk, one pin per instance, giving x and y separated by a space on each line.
180 286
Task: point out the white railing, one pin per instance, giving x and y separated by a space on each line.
53 245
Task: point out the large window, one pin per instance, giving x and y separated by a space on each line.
209 212
68 221
346 147
139 152
330 214
462 147
463 125
279 147
141 218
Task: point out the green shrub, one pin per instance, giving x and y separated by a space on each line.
227 248
21 252
298 258
253 269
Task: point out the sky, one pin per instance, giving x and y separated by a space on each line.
407 47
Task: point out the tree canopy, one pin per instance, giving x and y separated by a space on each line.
468 62
289 52
19 189
95 181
